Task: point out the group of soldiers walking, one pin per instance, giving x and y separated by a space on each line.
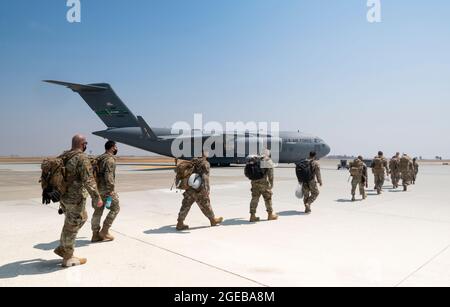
399 168
85 176
81 180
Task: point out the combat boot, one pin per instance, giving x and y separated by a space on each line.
254 218
405 188
105 235
60 251
272 217
96 237
181 226
353 198
308 209
216 221
73 261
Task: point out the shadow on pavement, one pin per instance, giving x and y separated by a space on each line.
30 267
291 213
52 245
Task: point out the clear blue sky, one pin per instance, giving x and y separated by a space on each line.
315 65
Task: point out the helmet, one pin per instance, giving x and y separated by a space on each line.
299 192
195 181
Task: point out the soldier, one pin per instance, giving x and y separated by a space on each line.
200 196
80 182
263 187
394 166
415 170
379 164
358 170
310 189
406 168
106 178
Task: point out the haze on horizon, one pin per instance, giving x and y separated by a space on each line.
314 66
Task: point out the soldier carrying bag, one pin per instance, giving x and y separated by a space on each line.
304 171
253 170
185 169
53 178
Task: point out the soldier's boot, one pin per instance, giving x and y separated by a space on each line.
60 251
308 209
96 237
272 217
216 221
405 188
254 218
73 261
105 235
181 226
353 198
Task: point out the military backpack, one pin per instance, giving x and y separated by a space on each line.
53 177
185 169
253 169
404 164
304 171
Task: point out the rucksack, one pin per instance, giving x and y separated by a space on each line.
404 164
394 164
304 171
53 178
185 169
97 164
377 163
253 169
355 170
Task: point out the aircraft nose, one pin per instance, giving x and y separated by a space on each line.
326 149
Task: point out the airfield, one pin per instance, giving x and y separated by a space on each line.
396 239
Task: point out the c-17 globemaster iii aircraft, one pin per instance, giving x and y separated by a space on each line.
124 127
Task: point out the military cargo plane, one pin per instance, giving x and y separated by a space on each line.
124 127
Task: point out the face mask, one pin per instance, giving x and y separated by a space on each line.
84 148
115 152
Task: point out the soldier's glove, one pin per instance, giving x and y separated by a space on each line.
55 196
46 199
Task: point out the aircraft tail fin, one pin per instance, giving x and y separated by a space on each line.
102 99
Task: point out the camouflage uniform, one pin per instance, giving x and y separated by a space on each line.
415 171
200 196
406 168
379 173
359 179
80 182
263 187
310 189
394 166
106 187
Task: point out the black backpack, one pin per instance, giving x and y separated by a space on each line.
253 170
304 171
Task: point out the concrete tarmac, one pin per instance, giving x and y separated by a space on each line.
396 239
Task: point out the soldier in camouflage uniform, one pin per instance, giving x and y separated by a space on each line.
263 187
200 196
310 189
394 166
378 168
415 170
406 168
106 178
80 182
358 170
